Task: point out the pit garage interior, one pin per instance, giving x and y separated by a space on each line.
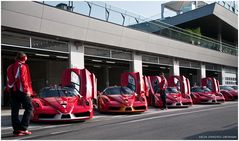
107 64
155 65
45 62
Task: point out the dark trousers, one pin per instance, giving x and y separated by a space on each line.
17 99
163 96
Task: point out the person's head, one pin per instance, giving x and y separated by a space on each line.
162 74
21 57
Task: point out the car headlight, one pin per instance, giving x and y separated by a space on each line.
86 102
140 98
105 100
36 105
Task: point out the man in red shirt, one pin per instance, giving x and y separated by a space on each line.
19 81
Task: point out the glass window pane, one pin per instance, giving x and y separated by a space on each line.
75 80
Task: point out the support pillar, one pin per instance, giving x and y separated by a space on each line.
137 63
162 11
201 73
76 55
176 70
203 70
223 76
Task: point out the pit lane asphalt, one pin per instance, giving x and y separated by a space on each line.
197 122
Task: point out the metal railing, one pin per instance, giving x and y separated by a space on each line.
108 13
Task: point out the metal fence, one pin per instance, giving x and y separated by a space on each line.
108 13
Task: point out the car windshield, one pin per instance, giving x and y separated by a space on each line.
171 90
58 92
206 89
226 88
235 87
118 90
200 89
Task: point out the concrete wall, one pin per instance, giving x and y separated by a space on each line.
226 15
38 18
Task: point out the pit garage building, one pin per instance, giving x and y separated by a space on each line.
58 36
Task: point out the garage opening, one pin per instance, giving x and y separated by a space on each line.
191 70
107 65
213 70
46 59
192 75
156 70
154 65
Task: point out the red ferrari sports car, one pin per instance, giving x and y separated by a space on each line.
70 101
205 95
121 99
174 98
229 93
213 85
129 97
182 85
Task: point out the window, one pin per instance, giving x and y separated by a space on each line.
118 90
131 83
75 81
57 92
209 84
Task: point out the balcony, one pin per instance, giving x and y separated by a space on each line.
108 13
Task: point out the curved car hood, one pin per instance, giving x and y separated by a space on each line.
123 99
234 92
205 94
62 104
174 96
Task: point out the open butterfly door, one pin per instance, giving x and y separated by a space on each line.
146 85
134 81
211 83
81 80
71 78
94 86
157 83
181 82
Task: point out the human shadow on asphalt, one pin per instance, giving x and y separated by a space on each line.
55 122
227 134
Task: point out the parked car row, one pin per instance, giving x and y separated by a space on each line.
75 97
